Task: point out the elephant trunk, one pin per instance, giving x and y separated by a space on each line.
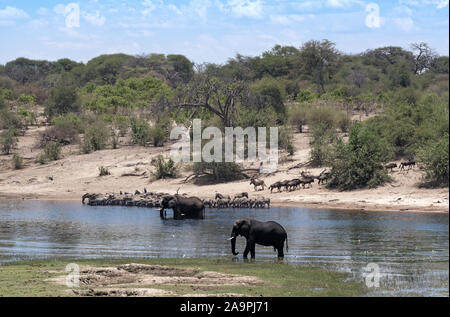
233 245
161 213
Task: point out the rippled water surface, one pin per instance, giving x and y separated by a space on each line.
411 250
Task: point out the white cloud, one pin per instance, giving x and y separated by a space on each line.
406 24
246 8
200 7
42 11
94 18
9 13
59 9
174 9
416 3
343 3
287 19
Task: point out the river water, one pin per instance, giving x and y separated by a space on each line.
411 250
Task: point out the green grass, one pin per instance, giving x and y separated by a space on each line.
28 278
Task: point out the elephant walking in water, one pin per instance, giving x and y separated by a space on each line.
268 233
183 207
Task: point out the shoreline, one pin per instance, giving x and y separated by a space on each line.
337 206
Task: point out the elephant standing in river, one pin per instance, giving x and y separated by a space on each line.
268 233
183 207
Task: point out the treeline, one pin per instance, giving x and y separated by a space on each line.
404 91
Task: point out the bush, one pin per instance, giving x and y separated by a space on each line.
219 171
322 137
285 139
62 99
158 136
65 130
141 131
306 95
8 140
164 168
96 137
298 116
359 162
17 162
52 151
436 160
103 171
9 120
41 159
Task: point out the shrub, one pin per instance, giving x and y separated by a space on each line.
9 120
436 160
17 161
285 139
103 171
305 95
219 171
62 99
298 116
164 168
26 99
141 131
65 130
322 137
96 137
41 159
358 163
52 151
8 140
158 136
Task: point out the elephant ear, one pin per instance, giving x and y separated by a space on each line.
244 227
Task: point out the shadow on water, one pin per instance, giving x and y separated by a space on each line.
411 250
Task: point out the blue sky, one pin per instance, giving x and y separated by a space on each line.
213 30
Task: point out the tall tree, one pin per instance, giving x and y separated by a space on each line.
423 58
319 60
219 96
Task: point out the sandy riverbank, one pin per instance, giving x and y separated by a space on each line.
76 174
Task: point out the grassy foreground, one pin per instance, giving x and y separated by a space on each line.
30 278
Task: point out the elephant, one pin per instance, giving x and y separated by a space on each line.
183 207
268 233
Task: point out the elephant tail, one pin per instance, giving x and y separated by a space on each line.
287 245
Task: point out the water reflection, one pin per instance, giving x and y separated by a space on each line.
411 249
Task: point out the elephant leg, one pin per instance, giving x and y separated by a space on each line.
252 250
280 251
247 249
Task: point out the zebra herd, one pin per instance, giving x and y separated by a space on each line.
238 201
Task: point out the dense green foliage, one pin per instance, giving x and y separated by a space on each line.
124 98
358 162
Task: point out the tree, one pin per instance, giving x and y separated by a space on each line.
183 67
8 140
62 99
383 57
268 93
319 60
440 65
435 158
219 96
400 74
423 58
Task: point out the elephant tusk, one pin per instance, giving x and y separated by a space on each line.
231 238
